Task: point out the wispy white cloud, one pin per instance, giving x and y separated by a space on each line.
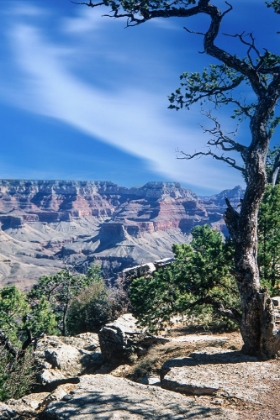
84 21
132 118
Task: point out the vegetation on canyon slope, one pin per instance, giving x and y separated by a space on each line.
58 304
199 282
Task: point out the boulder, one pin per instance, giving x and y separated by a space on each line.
109 397
28 406
72 356
123 340
276 301
7 412
49 380
16 410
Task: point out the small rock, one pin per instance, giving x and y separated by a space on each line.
7 412
150 380
276 301
217 401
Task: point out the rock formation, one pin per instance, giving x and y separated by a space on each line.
45 224
209 379
70 386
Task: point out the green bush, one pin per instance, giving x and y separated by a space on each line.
16 375
93 308
21 323
269 239
60 289
199 283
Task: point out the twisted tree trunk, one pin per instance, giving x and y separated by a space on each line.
258 321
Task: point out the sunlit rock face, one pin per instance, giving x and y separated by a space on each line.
45 224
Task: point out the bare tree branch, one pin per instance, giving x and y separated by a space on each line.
90 4
251 45
230 161
230 313
194 32
222 140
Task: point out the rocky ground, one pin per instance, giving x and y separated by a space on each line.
181 376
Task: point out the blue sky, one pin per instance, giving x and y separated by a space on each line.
83 97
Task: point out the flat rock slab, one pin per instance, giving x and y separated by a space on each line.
108 397
214 371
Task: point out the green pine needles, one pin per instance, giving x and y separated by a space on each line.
198 283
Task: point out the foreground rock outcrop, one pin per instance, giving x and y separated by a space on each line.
61 360
47 223
210 379
108 397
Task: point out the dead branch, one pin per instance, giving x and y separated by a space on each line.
230 161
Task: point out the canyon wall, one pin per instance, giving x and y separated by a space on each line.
48 225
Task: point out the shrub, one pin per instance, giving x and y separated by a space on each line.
198 283
93 308
16 375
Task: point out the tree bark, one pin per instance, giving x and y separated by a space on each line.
258 321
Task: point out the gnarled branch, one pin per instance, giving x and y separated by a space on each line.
230 161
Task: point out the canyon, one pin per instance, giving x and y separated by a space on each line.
50 225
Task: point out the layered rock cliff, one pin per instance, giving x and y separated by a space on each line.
45 224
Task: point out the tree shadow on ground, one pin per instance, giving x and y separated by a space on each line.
203 358
98 405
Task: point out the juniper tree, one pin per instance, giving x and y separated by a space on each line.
259 71
59 290
198 282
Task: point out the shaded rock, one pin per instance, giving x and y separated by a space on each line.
48 376
28 406
276 301
7 412
107 397
56 395
16 409
112 344
34 400
66 358
121 371
122 340
49 380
